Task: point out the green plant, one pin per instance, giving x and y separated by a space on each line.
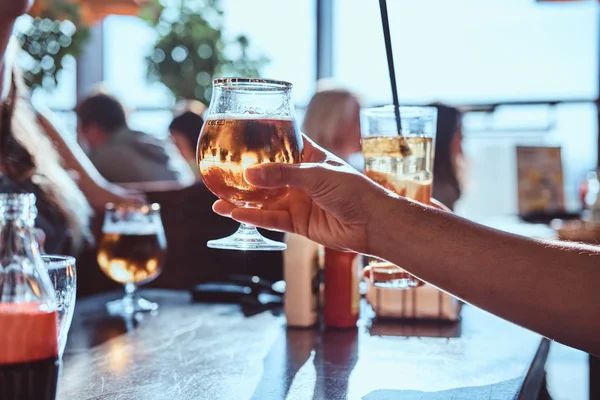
191 49
52 30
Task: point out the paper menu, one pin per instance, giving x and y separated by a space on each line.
540 180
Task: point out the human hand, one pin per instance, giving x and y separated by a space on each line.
329 202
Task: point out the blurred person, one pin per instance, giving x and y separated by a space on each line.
185 130
449 160
332 120
123 155
29 162
94 186
96 189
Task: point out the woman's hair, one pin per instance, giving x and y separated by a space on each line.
446 162
26 154
327 110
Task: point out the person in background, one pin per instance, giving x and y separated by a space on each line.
449 160
332 120
96 189
185 130
121 154
94 186
28 161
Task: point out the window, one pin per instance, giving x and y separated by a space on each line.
284 31
127 41
467 51
288 42
474 51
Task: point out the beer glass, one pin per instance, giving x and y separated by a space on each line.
132 252
249 122
402 163
61 270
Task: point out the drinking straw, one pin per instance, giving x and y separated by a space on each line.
385 22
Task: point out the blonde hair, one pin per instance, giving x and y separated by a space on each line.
327 110
27 154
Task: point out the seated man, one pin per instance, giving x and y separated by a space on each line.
121 154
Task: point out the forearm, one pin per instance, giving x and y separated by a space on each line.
547 287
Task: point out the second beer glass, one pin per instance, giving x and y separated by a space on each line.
132 252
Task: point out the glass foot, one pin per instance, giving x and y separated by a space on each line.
246 238
127 306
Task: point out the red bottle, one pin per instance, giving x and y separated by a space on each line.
342 296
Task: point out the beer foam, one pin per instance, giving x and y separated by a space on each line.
238 117
132 229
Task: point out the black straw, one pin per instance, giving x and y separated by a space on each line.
385 22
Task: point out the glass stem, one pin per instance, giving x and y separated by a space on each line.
130 292
249 230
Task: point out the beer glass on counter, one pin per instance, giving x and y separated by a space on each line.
132 252
249 122
402 163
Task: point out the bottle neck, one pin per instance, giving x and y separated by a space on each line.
23 276
18 209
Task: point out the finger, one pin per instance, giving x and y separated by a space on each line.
223 208
275 175
274 220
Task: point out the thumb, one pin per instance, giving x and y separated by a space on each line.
272 175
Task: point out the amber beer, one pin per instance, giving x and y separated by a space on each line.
129 257
407 175
228 146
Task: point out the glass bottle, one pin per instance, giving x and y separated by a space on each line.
28 317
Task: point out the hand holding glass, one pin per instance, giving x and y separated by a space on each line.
249 122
